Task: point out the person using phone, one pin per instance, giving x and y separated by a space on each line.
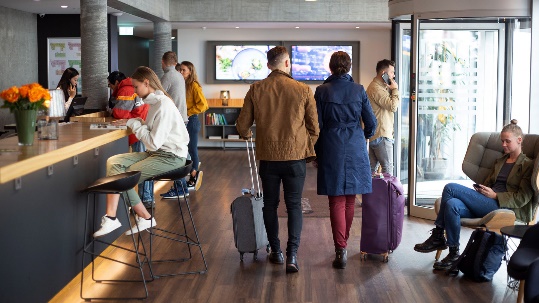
68 84
383 93
507 186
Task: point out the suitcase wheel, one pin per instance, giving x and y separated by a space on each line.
241 257
363 256
385 257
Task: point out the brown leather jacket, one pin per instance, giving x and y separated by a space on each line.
286 118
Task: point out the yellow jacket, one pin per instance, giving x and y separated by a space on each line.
384 105
196 102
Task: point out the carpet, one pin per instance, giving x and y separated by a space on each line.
315 206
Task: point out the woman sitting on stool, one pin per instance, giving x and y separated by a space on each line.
165 136
507 186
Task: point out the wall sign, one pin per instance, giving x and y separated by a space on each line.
61 54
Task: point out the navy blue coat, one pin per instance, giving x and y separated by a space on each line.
341 149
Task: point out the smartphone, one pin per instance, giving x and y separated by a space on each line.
476 186
385 76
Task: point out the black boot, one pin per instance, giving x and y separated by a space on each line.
449 260
436 241
340 258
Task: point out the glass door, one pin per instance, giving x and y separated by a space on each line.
459 92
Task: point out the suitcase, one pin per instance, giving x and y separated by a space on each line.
382 218
247 219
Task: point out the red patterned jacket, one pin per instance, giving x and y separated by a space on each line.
127 104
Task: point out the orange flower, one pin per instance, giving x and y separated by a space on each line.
23 91
35 94
11 94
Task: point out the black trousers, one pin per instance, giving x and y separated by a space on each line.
292 175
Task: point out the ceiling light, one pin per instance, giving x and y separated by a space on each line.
357 26
63 6
126 31
172 38
237 27
297 26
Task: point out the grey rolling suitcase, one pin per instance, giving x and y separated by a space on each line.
247 220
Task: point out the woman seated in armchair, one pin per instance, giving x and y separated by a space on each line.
507 186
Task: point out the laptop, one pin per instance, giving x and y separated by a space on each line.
76 108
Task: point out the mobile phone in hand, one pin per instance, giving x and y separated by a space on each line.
476 186
385 76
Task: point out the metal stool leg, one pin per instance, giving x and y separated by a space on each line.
180 238
89 248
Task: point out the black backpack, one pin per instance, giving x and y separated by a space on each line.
482 256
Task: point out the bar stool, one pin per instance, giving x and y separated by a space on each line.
116 184
182 236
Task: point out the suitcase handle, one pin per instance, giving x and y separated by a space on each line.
259 193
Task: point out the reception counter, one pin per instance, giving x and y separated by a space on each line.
43 209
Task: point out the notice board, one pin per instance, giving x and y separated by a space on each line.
61 54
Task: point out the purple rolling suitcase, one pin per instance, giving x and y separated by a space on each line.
383 216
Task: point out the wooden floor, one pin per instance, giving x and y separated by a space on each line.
407 277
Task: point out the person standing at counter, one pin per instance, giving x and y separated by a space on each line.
68 84
165 136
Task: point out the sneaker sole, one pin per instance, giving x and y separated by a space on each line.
199 180
430 250
175 197
98 236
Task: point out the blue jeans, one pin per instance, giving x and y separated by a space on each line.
381 153
292 174
461 202
145 190
193 128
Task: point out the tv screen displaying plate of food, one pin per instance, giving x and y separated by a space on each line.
241 62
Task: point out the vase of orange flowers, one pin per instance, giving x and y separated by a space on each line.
24 102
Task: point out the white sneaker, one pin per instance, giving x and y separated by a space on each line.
107 225
142 223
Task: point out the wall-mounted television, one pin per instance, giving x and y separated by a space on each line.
310 59
237 61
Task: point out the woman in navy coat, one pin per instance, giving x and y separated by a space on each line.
341 149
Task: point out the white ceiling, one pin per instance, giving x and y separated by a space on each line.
144 28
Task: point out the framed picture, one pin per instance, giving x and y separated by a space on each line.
61 54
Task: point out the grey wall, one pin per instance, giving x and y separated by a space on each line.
279 10
132 52
18 62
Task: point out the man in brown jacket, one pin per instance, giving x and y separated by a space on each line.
286 131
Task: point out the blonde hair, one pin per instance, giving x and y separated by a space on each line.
513 128
145 73
192 78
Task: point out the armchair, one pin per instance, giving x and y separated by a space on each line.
484 148
520 264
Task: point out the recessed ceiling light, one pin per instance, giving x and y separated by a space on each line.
63 6
172 38
297 26
357 26
237 27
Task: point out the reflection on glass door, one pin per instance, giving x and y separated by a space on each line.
457 95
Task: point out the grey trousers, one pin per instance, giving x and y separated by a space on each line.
381 153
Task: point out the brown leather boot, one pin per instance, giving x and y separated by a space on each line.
340 258
436 241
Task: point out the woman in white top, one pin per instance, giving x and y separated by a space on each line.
165 136
68 84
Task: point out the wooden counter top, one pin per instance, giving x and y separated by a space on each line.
74 139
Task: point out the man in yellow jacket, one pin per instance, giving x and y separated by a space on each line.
286 131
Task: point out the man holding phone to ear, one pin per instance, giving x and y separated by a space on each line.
383 93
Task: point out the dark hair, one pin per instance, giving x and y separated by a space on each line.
170 58
116 76
513 128
276 55
65 80
383 65
340 63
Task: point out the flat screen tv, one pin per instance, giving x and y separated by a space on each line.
237 61
241 62
310 59
311 62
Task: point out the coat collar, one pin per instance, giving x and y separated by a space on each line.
278 72
345 77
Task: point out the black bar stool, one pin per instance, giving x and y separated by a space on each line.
116 184
182 236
